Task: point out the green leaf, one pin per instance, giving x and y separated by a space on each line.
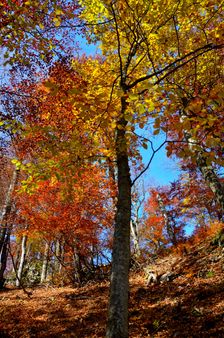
58 176
74 91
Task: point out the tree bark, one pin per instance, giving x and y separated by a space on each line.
134 233
22 260
3 262
7 207
6 226
45 263
117 326
77 268
57 255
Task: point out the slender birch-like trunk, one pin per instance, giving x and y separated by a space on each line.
59 253
45 262
7 207
6 226
22 260
134 234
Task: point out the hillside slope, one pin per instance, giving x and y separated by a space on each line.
191 305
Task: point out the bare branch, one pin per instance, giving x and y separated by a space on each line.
150 161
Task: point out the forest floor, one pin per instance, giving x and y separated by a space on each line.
192 305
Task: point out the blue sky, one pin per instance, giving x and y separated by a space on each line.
162 170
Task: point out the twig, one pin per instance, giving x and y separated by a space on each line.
150 161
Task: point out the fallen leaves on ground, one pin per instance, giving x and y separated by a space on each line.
192 305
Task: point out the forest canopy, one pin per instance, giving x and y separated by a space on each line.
74 192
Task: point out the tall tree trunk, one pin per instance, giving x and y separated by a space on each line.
2 236
77 268
3 262
17 254
45 262
138 197
62 252
59 255
22 260
7 207
6 226
118 304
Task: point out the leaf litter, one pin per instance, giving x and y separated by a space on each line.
192 305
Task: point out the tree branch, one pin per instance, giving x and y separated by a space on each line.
195 54
150 161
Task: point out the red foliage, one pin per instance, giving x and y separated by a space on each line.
79 209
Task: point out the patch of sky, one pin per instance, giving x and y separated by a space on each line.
162 170
86 48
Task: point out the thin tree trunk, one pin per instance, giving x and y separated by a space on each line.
45 262
6 210
4 256
22 260
134 233
117 326
62 251
2 237
169 228
137 202
59 253
77 267
6 226
17 255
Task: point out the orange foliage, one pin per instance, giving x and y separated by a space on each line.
79 209
209 230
